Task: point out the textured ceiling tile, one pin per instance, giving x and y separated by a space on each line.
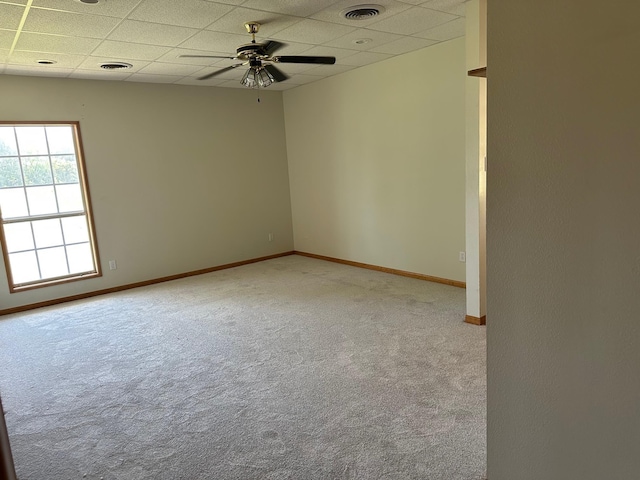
332 13
56 44
405 45
411 21
158 68
234 21
20 2
100 75
327 51
314 31
134 51
456 7
32 58
10 16
108 8
447 31
364 58
282 86
303 79
139 77
36 71
185 13
71 24
93 63
151 33
173 56
329 70
289 7
224 43
6 38
4 54
367 39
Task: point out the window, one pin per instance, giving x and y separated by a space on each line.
47 232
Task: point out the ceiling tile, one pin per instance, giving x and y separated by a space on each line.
93 63
405 45
228 75
456 7
282 86
4 54
289 7
185 13
21 2
31 58
223 43
446 31
270 24
302 79
157 68
139 77
6 38
314 31
329 70
36 71
364 58
71 24
151 33
111 8
369 39
132 51
413 2
332 13
416 19
10 16
100 74
56 44
173 56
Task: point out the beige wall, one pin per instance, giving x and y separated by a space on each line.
377 162
563 240
176 183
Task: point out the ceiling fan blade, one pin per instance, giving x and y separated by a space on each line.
304 59
271 47
277 74
205 56
218 72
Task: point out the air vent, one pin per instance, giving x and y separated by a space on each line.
115 65
362 12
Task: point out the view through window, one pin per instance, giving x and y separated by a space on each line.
47 231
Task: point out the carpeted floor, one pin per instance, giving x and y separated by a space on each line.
292 368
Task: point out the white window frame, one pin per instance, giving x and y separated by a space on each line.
86 198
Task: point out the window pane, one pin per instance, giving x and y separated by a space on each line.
41 200
53 262
37 171
31 140
65 169
18 237
13 203
10 175
47 233
80 258
69 198
75 229
60 139
24 267
8 141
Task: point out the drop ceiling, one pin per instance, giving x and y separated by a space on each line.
151 34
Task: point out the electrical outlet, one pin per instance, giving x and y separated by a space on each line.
112 265
462 256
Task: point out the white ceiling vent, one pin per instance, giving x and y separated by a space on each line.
362 12
115 65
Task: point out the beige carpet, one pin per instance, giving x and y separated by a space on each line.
292 368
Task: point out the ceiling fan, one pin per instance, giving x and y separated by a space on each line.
260 58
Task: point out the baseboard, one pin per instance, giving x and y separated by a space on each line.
144 283
476 320
419 276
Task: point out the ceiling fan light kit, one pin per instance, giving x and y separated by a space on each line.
260 58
